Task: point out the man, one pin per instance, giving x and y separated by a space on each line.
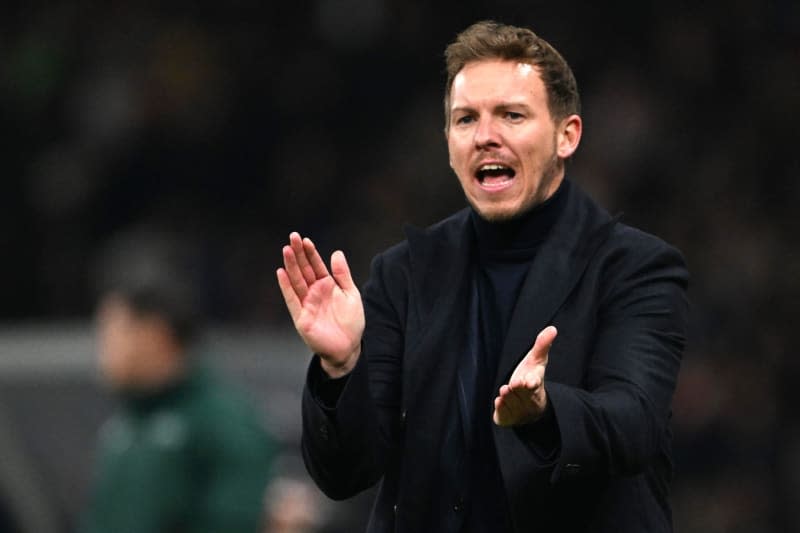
186 452
511 367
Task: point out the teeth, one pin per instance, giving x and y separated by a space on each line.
493 167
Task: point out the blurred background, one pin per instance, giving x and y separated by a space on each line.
231 124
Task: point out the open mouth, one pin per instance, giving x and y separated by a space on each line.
494 175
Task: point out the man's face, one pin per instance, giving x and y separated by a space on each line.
130 346
504 146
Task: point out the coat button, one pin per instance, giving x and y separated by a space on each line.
403 418
394 509
323 431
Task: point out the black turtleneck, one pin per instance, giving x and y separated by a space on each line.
505 252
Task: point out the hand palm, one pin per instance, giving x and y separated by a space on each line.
524 399
331 321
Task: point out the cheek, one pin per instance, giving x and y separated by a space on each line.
115 354
456 150
458 167
534 162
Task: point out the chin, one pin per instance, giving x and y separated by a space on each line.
496 216
492 212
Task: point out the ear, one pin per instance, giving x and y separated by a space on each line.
568 136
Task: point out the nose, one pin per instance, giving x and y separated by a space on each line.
486 135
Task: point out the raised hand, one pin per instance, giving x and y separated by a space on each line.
326 309
523 400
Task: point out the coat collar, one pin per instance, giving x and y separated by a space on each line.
441 258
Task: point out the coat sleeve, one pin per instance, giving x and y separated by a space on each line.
347 439
616 422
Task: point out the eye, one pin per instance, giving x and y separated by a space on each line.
514 116
464 119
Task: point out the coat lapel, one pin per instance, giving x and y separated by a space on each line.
440 266
558 266
440 272
437 341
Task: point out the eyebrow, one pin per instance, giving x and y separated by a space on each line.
499 107
518 104
461 109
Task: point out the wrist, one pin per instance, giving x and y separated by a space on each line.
336 367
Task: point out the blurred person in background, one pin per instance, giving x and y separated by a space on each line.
448 382
186 451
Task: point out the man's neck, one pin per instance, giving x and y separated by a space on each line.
524 231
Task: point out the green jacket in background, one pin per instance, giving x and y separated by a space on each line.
189 459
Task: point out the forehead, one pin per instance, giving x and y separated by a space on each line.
114 308
497 80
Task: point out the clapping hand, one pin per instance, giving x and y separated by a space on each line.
326 308
524 399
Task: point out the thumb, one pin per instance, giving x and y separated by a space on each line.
341 271
541 348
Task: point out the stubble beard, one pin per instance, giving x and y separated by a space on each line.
549 173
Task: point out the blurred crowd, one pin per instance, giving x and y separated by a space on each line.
229 125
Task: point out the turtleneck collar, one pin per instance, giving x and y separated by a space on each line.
522 234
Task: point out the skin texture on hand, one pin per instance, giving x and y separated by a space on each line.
523 399
325 306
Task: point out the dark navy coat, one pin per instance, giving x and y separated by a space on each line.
618 298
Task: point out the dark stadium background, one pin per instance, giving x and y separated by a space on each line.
230 124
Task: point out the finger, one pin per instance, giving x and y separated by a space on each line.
296 242
537 356
289 294
296 278
314 259
511 400
341 272
499 414
541 348
517 379
533 380
501 394
517 400
509 407
525 373
523 381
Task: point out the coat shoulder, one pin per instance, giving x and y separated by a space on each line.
632 258
446 232
439 236
635 245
